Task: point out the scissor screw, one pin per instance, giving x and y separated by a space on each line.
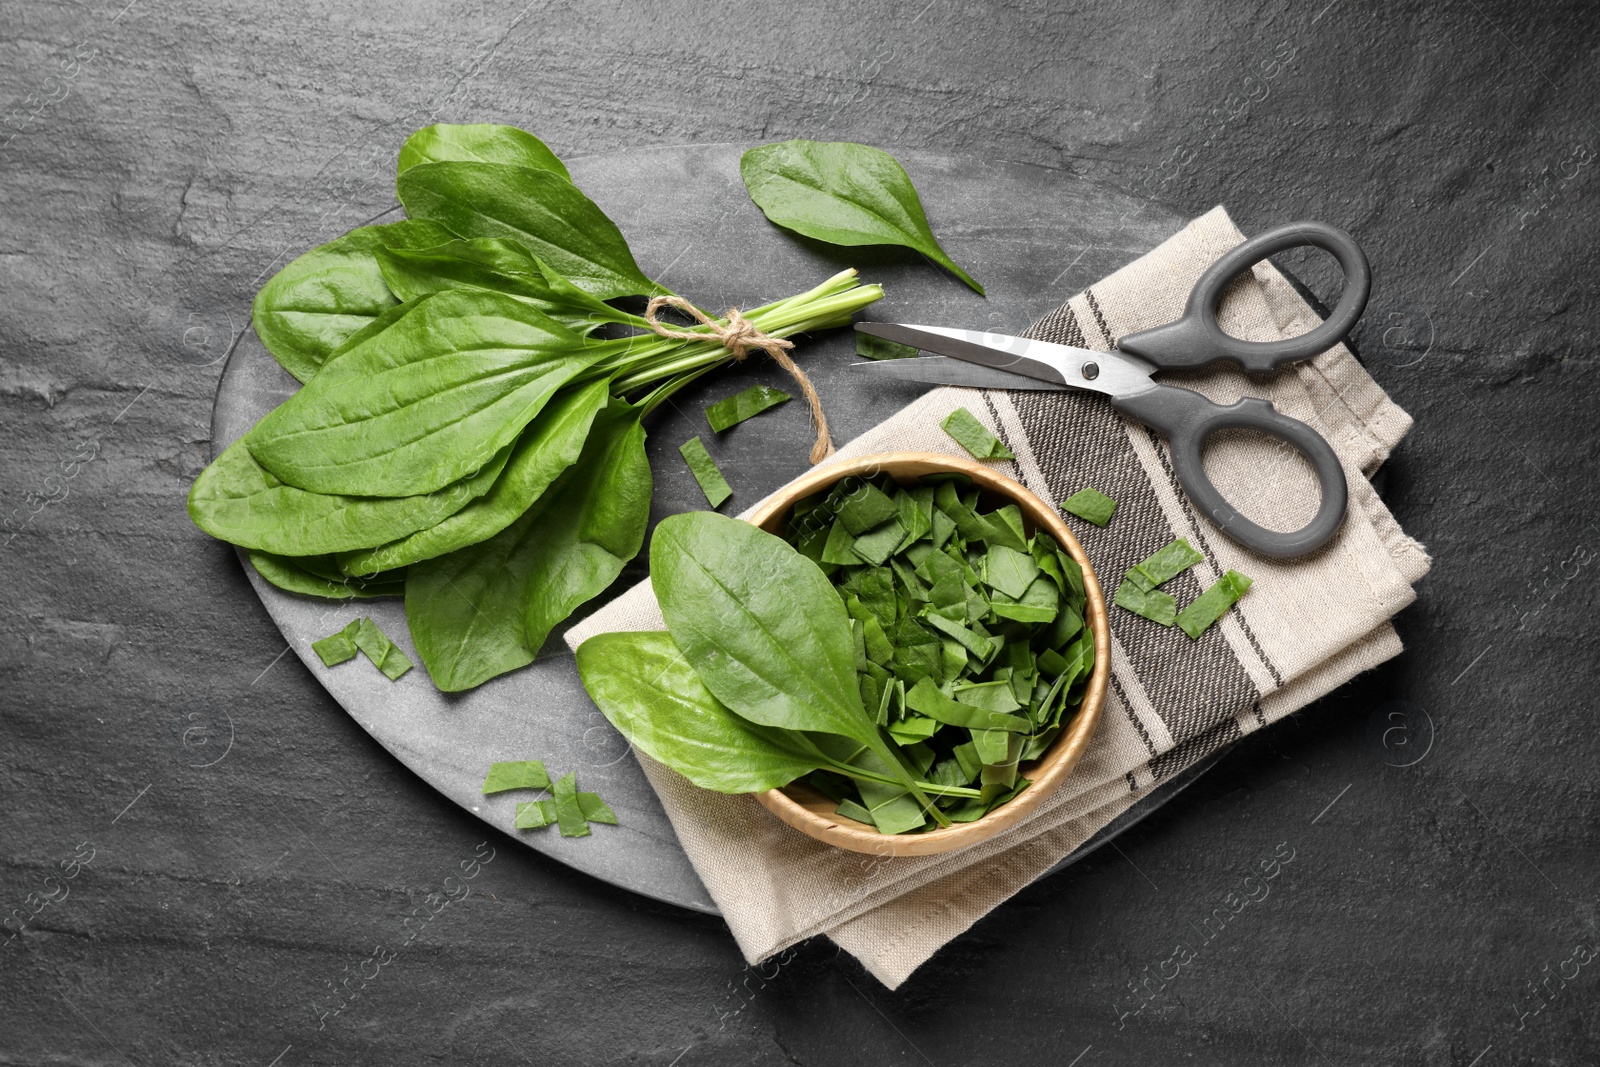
1091 371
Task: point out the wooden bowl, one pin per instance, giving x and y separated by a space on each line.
807 810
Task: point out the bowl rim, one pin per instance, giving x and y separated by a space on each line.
1063 755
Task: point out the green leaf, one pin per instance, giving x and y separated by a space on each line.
974 436
519 774
842 193
478 142
569 813
499 266
384 653
1212 604
487 609
320 576
1153 604
540 209
730 411
760 623
654 697
982 647
876 546
870 347
1165 564
705 471
312 306
1090 505
238 500
550 444
423 403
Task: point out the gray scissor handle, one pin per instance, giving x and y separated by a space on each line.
1186 419
1196 339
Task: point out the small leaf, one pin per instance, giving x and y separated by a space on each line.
870 347
842 193
535 814
336 648
384 653
569 813
478 142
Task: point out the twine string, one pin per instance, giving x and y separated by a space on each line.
739 335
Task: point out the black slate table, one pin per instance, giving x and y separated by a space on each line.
1442 905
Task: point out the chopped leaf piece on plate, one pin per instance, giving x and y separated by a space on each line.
974 436
517 774
1090 505
1212 604
569 813
384 653
705 471
735 409
596 810
1153 604
535 814
337 647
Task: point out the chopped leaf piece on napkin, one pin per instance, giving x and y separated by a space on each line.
735 409
1212 604
519 774
974 436
1090 505
1163 564
705 471
1153 604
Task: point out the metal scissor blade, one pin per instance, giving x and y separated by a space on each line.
1113 373
941 370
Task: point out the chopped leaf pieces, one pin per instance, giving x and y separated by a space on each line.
735 409
1212 604
1090 505
363 635
568 810
705 471
1153 604
974 436
384 653
521 774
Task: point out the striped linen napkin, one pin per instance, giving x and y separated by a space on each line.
1306 626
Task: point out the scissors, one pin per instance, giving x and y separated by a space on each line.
983 360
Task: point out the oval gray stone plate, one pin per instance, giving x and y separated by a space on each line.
1031 235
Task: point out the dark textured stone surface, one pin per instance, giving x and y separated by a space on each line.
224 903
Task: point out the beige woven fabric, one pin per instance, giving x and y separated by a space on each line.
1306 626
